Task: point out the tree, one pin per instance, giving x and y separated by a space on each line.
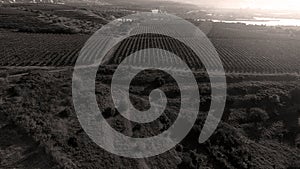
256 117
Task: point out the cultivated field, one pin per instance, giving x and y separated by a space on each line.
256 55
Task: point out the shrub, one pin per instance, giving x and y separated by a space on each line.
295 95
257 115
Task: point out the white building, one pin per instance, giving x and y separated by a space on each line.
155 11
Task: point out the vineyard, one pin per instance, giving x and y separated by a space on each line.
22 49
239 55
261 54
55 34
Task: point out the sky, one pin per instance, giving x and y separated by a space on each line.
255 4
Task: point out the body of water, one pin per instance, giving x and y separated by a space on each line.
265 21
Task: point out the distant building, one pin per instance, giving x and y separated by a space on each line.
155 11
125 20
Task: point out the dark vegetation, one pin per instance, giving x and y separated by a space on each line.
255 133
52 18
29 21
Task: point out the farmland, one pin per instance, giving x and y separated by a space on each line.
256 55
243 49
23 49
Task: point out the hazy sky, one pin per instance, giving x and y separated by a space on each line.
263 4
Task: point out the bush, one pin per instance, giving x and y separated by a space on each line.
257 115
255 118
55 30
295 95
